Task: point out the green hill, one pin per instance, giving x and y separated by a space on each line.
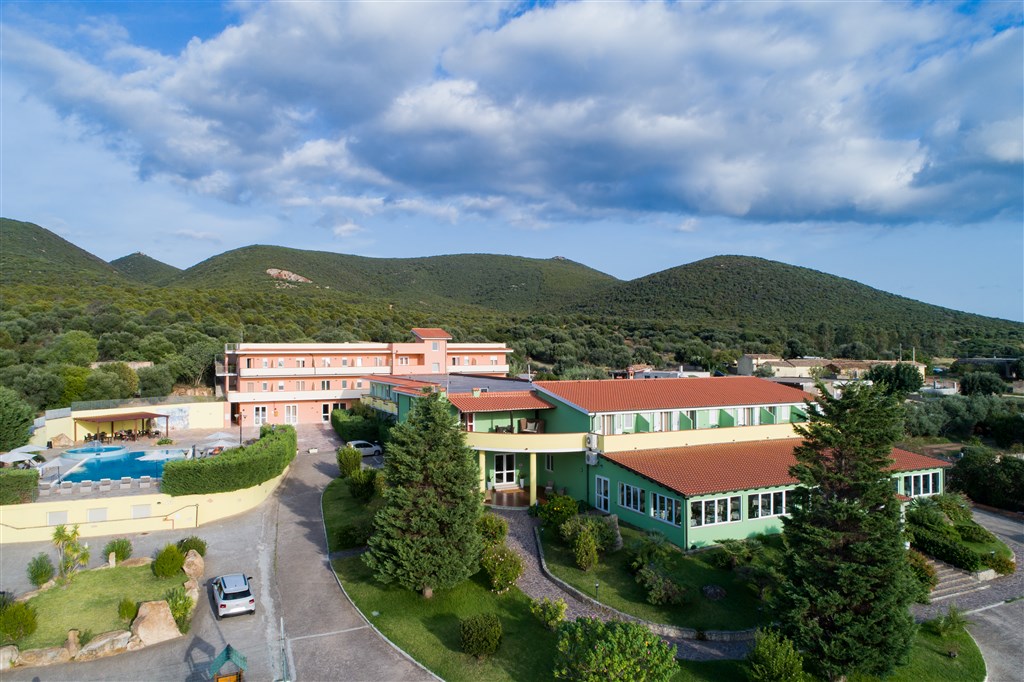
506 283
30 254
141 268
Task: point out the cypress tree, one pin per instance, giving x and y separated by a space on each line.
846 583
425 536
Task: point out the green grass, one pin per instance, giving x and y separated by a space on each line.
739 610
710 671
90 602
340 509
984 548
428 630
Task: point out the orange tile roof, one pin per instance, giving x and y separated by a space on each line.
431 333
504 401
728 467
620 395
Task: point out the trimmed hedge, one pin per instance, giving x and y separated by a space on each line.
234 469
353 427
954 553
480 635
18 486
972 532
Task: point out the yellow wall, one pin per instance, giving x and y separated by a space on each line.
678 439
28 522
207 415
527 442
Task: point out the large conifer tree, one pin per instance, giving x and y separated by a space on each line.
425 536
846 582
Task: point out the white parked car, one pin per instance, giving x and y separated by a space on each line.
367 448
233 594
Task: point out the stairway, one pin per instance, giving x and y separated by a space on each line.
953 582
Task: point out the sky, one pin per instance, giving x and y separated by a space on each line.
882 142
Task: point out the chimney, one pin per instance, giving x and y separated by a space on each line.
476 392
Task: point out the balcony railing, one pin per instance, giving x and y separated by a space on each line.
678 439
527 442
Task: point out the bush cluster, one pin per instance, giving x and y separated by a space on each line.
493 529
972 532
660 588
181 608
121 547
480 634
355 427
589 649
168 562
603 528
17 621
925 574
127 609
349 461
548 612
503 566
558 510
192 542
953 552
352 535
41 570
1000 564
18 485
775 659
955 506
651 548
584 548
234 469
361 484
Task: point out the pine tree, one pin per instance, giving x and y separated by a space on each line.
425 536
846 581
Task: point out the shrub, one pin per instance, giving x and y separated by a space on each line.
660 589
1000 564
925 574
955 506
558 510
354 534
18 486
127 609
192 542
774 659
589 649
234 469
480 634
735 553
121 547
380 483
355 427
360 484
652 548
41 570
604 532
570 528
952 623
165 441
503 566
349 460
181 608
493 529
584 547
952 552
85 636
548 612
972 532
17 621
168 562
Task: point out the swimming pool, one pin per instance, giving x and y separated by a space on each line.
116 462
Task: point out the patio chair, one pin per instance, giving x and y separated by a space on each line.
145 482
86 487
126 482
44 489
549 489
104 485
67 487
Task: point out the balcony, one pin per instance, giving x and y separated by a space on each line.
296 396
678 439
222 368
275 372
527 442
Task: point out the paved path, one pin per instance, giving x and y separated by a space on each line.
999 632
537 586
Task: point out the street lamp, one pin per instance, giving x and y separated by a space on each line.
597 585
241 416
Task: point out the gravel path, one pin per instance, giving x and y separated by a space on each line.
536 585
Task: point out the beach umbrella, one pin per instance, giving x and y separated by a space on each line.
13 457
29 448
221 443
220 435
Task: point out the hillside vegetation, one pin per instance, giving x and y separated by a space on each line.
30 254
142 268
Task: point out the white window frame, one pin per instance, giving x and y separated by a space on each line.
602 501
141 511
434 345
632 497
300 363
922 485
549 462
57 518
768 504
326 362
300 385
732 503
265 386
280 385
325 384
280 362
97 515
666 509
291 414
404 360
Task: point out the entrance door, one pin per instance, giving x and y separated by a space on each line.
326 415
259 415
601 495
291 414
505 469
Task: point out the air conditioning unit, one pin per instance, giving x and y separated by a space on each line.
591 458
592 441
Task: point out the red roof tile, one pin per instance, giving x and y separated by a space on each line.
504 401
620 395
431 333
727 467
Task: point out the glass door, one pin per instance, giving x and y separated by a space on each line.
601 495
291 414
504 469
259 415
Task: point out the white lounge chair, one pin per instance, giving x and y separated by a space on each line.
126 482
145 482
86 486
104 485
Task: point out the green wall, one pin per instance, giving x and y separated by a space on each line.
484 422
564 418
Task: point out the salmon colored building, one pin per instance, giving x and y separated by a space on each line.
301 383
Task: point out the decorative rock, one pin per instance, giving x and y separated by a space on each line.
72 644
112 560
107 644
613 521
137 561
194 565
8 655
51 656
154 624
192 589
714 592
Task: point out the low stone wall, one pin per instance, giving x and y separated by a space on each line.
153 624
660 629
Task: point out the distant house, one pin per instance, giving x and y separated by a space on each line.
802 368
648 372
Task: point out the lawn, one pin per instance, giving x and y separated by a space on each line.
739 610
428 630
340 509
89 603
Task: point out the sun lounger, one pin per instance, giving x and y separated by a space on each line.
44 489
86 486
104 485
145 482
126 482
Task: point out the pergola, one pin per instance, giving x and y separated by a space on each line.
137 417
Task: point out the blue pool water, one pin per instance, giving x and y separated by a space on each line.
116 462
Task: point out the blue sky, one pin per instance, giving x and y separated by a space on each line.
883 142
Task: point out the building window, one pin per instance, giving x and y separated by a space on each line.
344 362
300 385
97 515
455 362
549 462
434 345
403 360
628 423
140 511
265 386
666 509
921 484
56 518
280 385
250 386
344 383
325 385
280 362
766 504
710 512
631 497
435 367
326 362
377 362
494 359
359 383
266 363
359 362
300 363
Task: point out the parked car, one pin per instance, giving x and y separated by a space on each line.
367 448
233 594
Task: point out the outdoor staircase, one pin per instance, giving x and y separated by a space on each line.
953 582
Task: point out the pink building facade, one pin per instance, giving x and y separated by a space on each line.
302 383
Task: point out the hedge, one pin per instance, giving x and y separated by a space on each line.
18 485
352 427
955 553
234 469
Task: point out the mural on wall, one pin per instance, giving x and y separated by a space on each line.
177 418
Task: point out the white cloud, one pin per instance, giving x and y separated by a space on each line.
345 230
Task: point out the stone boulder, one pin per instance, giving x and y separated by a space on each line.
137 561
107 644
714 592
72 644
154 624
8 655
51 656
192 589
194 565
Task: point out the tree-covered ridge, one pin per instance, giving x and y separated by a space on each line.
30 254
142 268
